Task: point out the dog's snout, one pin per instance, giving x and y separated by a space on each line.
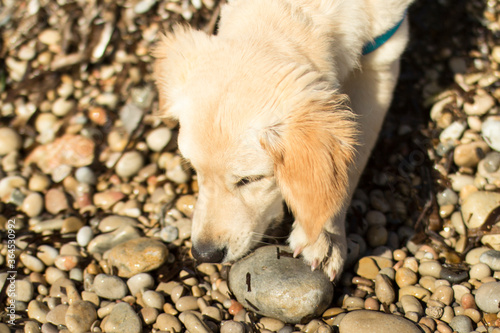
208 253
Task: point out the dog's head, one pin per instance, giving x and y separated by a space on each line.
257 129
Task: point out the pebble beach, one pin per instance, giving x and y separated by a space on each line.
96 201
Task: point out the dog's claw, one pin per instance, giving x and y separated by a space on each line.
332 275
314 264
297 252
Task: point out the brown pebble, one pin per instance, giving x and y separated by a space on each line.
168 322
98 115
235 307
468 301
186 303
383 289
149 315
429 322
405 277
353 303
71 224
55 201
170 309
490 318
443 328
399 255
358 280
372 304
443 294
473 314
425 328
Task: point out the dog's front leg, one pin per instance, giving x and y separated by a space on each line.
328 252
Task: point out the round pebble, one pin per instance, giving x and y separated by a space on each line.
84 236
32 263
80 316
411 304
461 324
123 319
38 311
129 164
139 283
9 141
33 204
168 322
55 201
85 175
153 299
149 315
158 138
491 258
478 206
479 271
447 197
57 315
488 297
405 277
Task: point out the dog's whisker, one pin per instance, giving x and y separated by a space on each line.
258 234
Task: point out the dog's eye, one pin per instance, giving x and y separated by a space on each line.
247 180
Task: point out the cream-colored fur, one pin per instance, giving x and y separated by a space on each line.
280 105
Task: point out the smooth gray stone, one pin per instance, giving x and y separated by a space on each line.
274 284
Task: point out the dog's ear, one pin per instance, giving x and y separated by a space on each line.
312 149
176 54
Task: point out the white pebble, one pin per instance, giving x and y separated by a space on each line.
153 299
84 236
47 254
158 138
491 133
62 107
85 175
32 263
452 132
130 163
139 283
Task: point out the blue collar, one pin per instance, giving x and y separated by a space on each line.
380 40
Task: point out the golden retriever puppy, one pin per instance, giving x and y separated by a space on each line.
281 105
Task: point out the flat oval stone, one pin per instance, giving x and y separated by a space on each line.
366 321
273 283
477 207
488 297
138 256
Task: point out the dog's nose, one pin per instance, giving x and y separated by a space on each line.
207 253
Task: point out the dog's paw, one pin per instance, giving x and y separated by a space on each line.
328 252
